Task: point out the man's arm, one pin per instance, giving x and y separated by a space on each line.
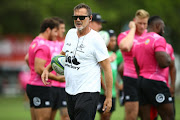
46 74
127 42
26 58
136 65
106 67
163 59
172 72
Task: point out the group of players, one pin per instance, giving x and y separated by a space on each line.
148 59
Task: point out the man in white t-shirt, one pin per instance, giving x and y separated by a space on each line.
85 53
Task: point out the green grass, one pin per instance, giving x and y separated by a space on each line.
12 108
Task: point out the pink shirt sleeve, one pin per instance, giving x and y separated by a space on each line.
120 37
160 44
43 52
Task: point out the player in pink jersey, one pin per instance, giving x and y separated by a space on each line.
171 70
151 59
58 88
125 41
39 53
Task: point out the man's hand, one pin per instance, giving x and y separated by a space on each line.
132 25
112 57
107 105
44 77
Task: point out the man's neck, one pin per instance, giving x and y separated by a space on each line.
43 35
83 31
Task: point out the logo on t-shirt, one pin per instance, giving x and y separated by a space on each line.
147 41
71 60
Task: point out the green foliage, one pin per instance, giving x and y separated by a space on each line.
25 16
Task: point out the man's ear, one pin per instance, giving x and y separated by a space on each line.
90 18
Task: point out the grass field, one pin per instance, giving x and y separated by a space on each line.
12 108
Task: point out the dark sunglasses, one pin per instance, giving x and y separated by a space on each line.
80 17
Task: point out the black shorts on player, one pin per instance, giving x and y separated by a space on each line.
153 92
59 98
101 103
130 89
39 96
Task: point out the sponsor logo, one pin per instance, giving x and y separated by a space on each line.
170 98
160 98
64 102
147 41
68 44
127 97
47 103
36 101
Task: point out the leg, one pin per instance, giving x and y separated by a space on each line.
86 106
64 113
53 114
33 117
166 111
131 110
144 112
106 116
43 113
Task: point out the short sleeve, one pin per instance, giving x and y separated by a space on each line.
120 37
160 44
100 49
43 52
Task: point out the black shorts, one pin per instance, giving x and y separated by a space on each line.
153 92
59 98
39 96
121 97
101 103
82 106
130 89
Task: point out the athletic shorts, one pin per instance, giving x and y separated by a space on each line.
101 103
121 97
82 106
153 92
39 96
130 89
59 98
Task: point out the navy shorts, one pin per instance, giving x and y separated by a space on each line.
153 92
82 106
101 103
130 89
39 96
59 98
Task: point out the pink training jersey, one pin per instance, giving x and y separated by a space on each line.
144 52
56 48
170 51
129 68
38 49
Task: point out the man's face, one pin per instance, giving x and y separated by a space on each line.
53 34
81 24
61 30
112 43
97 26
141 25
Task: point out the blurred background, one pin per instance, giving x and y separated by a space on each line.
20 21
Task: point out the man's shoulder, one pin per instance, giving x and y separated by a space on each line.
72 31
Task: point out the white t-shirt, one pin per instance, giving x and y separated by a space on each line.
82 70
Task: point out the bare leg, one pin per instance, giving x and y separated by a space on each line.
131 110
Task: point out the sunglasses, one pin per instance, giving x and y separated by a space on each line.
80 17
